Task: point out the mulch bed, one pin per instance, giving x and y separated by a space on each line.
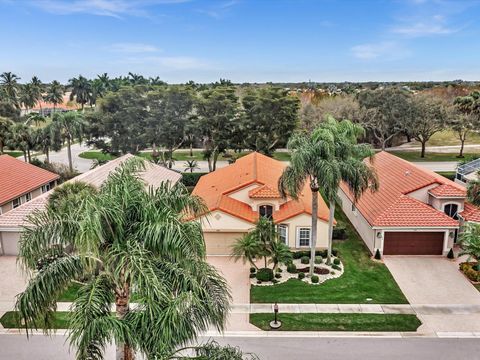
317 270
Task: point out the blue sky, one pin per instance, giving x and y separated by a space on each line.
243 40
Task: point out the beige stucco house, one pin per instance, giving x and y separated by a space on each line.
414 212
240 193
12 222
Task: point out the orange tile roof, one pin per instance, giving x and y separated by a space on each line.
252 169
264 192
470 213
18 178
398 178
448 191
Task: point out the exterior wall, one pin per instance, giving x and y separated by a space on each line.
439 204
9 205
218 221
422 194
305 220
359 222
242 194
9 242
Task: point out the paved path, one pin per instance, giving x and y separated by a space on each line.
445 166
61 156
286 347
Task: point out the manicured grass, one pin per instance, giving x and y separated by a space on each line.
431 156
339 322
70 294
178 155
448 137
11 320
363 278
477 286
448 174
13 153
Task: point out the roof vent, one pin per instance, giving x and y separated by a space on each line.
407 173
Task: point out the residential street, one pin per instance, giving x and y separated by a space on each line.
40 347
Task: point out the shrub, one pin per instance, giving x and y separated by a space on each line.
378 256
451 255
314 279
336 261
301 275
264 274
322 253
253 270
305 260
334 252
252 276
259 281
300 254
339 233
336 267
332 272
191 179
291 268
318 259
278 276
279 270
274 281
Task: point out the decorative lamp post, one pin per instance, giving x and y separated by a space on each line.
275 324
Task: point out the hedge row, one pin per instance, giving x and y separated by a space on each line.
191 179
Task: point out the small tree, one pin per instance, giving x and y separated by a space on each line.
470 241
473 191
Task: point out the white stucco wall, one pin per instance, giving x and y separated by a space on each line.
242 194
305 220
422 194
219 221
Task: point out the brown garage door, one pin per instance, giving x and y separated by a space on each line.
413 243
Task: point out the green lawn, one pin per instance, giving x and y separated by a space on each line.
448 137
431 156
362 279
477 286
13 153
11 320
339 322
448 174
70 294
178 155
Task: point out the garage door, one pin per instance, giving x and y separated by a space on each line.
413 243
220 243
9 243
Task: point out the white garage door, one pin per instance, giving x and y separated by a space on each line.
220 243
10 243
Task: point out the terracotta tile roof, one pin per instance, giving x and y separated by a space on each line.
18 177
252 169
65 105
470 213
398 178
153 175
448 191
264 192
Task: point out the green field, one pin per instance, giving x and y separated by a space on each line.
13 153
339 322
448 137
363 278
431 156
11 320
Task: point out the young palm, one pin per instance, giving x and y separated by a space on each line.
71 126
123 242
473 191
470 241
191 165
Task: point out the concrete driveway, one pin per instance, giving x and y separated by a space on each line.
12 282
436 281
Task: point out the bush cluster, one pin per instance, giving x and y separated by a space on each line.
278 276
191 179
336 267
253 270
470 270
339 233
336 261
305 260
265 274
301 275
318 260
314 279
291 268
322 253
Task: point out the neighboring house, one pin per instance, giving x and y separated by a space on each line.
414 212
467 172
12 222
240 193
46 109
20 182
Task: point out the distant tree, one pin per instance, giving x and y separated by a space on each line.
21 138
170 111
71 126
386 113
191 165
429 116
54 94
5 132
48 139
27 96
8 110
81 90
34 118
465 117
217 110
136 79
470 241
105 81
9 88
473 191
37 89
270 117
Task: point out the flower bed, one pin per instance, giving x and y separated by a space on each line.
471 271
300 271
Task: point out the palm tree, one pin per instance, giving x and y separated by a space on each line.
5 132
322 160
473 191
20 139
470 241
9 85
105 81
37 89
123 242
71 126
35 118
27 97
191 165
49 138
81 90
54 94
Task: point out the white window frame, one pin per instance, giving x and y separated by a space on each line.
28 197
299 230
283 227
19 199
46 188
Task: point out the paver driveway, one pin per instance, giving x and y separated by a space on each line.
433 281
12 282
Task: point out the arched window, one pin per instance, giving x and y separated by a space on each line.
266 211
451 210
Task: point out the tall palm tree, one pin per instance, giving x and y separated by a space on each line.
20 139
105 80
81 90
71 126
9 86
37 90
54 94
27 96
5 132
321 160
48 139
123 242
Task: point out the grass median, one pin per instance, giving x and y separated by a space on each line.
339 322
11 320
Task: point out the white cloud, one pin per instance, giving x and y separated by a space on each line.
417 29
387 50
218 10
112 8
133 48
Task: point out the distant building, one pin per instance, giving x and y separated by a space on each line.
46 109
